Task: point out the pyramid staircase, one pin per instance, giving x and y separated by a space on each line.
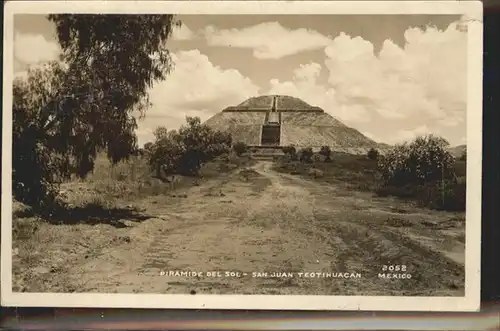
271 130
270 135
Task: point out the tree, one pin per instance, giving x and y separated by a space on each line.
165 153
426 159
372 154
200 144
186 150
148 146
326 152
67 111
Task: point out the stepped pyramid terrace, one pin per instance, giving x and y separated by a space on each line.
273 121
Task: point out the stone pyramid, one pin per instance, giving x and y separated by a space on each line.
279 120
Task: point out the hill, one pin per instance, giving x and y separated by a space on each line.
458 151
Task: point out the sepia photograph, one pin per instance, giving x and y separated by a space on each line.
302 155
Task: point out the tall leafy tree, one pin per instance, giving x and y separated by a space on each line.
426 159
67 111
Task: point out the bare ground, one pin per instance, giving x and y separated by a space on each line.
255 221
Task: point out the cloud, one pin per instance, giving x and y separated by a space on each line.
34 49
196 87
305 85
183 33
425 77
268 40
407 135
452 121
394 94
422 83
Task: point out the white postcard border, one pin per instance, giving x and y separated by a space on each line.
472 10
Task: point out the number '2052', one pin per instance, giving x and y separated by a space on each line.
396 267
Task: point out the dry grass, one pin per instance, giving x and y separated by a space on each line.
108 194
360 173
133 179
241 216
102 208
352 171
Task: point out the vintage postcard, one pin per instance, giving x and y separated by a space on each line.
295 155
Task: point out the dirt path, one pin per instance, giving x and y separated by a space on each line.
271 222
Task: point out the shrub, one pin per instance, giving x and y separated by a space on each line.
326 152
447 195
240 148
426 159
318 158
306 154
148 146
460 168
423 170
373 154
403 191
184 152
290 151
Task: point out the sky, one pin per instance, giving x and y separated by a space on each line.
391 77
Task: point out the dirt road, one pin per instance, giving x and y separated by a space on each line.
262 222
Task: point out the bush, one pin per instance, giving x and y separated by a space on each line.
423 170
447 195
184 152
404 191
306 154
373 154
318 158
240 148
326 152
290 151
424 160
148 146
460 168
